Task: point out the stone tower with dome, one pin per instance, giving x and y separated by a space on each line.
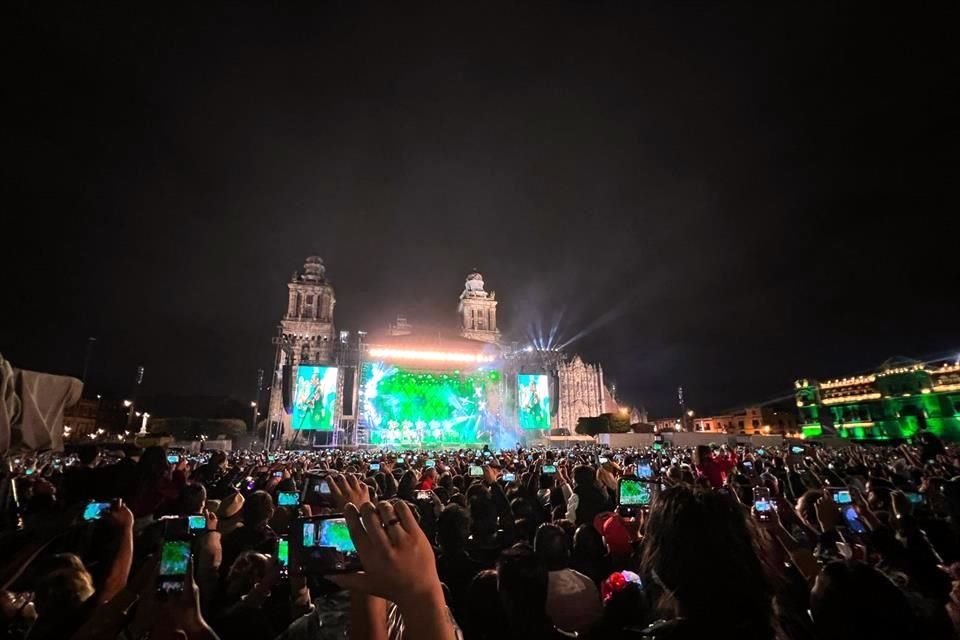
307 326
478 311
306 331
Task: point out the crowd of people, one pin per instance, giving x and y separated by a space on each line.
712 542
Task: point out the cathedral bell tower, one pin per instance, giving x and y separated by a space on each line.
306 332
307 327
478 311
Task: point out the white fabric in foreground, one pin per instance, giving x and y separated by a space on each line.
32 406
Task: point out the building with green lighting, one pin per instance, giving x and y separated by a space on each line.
896 401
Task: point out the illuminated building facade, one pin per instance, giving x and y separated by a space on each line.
750 421
900 399
306 334
758 420
581 392
404 388
478 311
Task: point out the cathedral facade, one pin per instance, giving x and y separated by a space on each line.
346 377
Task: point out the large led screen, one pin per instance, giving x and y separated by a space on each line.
533 400
404 407
315 402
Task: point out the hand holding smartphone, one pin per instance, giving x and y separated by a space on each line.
197 524
95 510
283 556
633 496
763 507
324 545
174 564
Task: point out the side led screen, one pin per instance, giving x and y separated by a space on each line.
315 401
533 400
405 407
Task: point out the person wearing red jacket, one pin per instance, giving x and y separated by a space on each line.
713 467
428 481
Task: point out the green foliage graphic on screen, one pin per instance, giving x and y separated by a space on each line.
533 400
408 407
315 401
634 493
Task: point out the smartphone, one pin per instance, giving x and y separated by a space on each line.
316 491
763 507
196 523
176 528
476 471
840 495
634 493
173 458
549 468
644 470
374 466
278 474
657 446
602 459
429 464
174 563
854 523
797 450
283 556
760 452
424 495
914 497
289 498
95 510
326 546
748 465
251 483
509 477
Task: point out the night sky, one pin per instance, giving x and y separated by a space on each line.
724 197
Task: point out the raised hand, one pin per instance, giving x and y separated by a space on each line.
398 564
901 504
347 489
213 522
827 513
607 479
120 516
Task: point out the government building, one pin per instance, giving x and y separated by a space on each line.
899 399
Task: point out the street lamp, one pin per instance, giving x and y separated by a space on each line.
127 404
